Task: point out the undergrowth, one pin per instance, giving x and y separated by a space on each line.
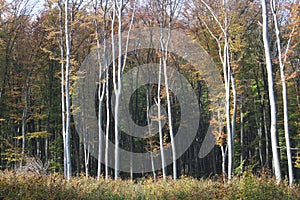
54 186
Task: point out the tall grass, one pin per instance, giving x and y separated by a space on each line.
54 186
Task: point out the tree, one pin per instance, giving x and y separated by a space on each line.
228 78
67 93
272 100
284 90
118 69
63 104
101 90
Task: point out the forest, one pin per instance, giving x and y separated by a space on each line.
150 91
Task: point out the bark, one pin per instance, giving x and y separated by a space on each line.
101 91
242 133
24 116
233 120
165 57
161 135
227 75
284 94
273 129
116 89
225 60
223 149
150 132
118 71
107 89
63 109
107 122
67 92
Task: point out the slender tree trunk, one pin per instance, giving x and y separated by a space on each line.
284 94
117 78
242 132
223 150
233 120
86 148
266 132
225 59
150 132
161 135
63 109
67 92
227 75
107 89
169 110
273 130
101 91
24 117
117 81
107 122
258 120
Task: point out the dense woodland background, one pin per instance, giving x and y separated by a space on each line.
34 53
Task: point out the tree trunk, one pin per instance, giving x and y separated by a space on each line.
101 91
284 95
164 47
63 109
67 92
233 120
273 129
107 122
161 135
24 117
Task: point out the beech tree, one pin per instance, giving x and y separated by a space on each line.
41 52
272 101
224 55
284 88
67 93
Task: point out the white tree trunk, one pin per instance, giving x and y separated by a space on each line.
225 59
228 72
107 123
117 79
273 130
67 92
242 133
101 90
161 136
284 94
169 108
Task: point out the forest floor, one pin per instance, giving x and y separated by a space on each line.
54 186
